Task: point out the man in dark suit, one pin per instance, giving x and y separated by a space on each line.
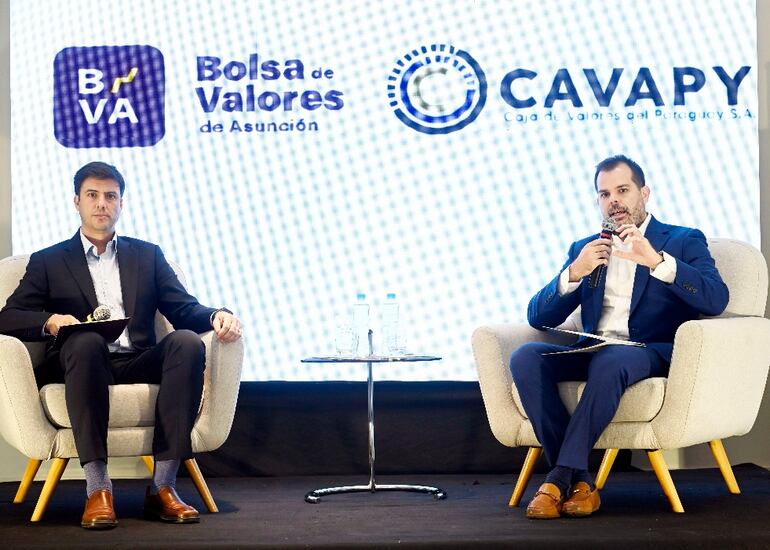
657 277
65 283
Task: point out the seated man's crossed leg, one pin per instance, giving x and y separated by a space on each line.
567 440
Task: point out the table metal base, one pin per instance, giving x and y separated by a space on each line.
372 487
315 496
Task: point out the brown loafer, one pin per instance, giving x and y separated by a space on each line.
547 503
582 501
167 506
99 512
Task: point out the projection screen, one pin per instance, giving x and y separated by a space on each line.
289 155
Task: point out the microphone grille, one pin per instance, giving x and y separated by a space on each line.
608 224
102 313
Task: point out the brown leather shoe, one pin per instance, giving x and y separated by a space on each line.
546 504
167 506
582 501
99 512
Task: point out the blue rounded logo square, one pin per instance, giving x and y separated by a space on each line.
109 96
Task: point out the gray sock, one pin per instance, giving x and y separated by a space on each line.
96 476
164 474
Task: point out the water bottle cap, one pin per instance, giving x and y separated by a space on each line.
360 296
391 296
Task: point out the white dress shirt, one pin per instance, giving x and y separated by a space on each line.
619 284
105 274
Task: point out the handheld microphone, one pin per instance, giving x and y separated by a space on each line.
608 228
101 313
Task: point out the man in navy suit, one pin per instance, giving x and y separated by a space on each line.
657 277
66 282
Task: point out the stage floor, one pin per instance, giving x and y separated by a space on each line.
271 513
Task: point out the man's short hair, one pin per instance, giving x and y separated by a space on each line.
610 163
100 171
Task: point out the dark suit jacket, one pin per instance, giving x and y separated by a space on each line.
657 308
57 280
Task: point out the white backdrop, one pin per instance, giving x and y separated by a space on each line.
284 227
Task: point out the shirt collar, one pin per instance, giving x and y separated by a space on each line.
89 248
642 228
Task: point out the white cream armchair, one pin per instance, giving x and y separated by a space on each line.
36 422
713 391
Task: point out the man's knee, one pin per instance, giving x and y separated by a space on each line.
526 362
189 345
85 357
620 366
84 345
185 339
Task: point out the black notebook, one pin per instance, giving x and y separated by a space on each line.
110 330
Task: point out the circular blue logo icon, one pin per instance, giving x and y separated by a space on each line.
437 89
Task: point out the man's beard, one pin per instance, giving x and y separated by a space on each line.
635 215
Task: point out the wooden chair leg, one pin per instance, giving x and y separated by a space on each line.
200 484
149 462
604 468
718 450
533 454
664 478
33 465
58 466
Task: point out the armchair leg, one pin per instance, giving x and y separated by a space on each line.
200 484
718 450
58 466
664 478
604 468
33 465
533 454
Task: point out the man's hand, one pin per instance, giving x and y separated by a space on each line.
226 326
641 250
56 321
593 254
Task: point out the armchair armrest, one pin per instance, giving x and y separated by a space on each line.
221 383
23 423
716 381
492 349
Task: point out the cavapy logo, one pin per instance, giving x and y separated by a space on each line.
109 96
437 89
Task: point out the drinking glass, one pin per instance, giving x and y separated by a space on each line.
395 339
345 339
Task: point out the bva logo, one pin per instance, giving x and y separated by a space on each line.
109 96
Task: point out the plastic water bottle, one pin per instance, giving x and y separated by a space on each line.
361 323
390 323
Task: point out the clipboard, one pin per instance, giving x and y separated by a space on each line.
603 342
110 329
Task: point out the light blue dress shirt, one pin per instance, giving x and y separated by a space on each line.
105 274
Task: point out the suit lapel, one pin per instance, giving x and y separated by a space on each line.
657 234
75 260
128 265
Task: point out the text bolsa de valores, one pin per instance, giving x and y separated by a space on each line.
248 98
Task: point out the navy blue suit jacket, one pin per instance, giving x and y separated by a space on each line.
57 280
657 308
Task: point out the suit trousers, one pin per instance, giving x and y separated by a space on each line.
567 440
176 363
